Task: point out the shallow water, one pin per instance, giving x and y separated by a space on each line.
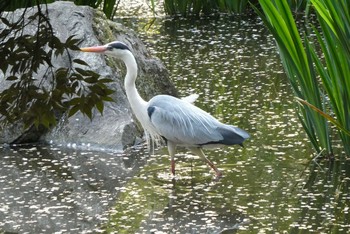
268 186
47 189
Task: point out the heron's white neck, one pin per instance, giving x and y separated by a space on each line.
129 83
138 105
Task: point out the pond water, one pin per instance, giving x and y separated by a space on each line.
271 185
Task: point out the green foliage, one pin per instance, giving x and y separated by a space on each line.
8 5
39 100
196 7
206 7
109 7
297 5
321 82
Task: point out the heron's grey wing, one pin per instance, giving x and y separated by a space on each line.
181 122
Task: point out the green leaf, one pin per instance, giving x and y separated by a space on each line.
81 62
73 110
90 80
100 106
74 101
105 80
12 78
82 71
107 99
87 110
325 115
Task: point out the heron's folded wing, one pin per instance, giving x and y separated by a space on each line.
182 122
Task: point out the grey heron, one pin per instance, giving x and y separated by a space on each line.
177 121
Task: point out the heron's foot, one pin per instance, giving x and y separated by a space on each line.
218 174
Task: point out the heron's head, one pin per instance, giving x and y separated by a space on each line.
116 49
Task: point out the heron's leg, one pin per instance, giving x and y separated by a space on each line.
172 150
200 153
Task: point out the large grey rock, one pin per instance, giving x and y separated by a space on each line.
116 128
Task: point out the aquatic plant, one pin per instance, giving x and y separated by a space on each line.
297 5
318 67
196 7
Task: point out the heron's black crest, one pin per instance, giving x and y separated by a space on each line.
150 111
118 45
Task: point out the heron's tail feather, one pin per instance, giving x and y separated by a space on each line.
233 135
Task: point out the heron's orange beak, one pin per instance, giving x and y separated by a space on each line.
95 49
